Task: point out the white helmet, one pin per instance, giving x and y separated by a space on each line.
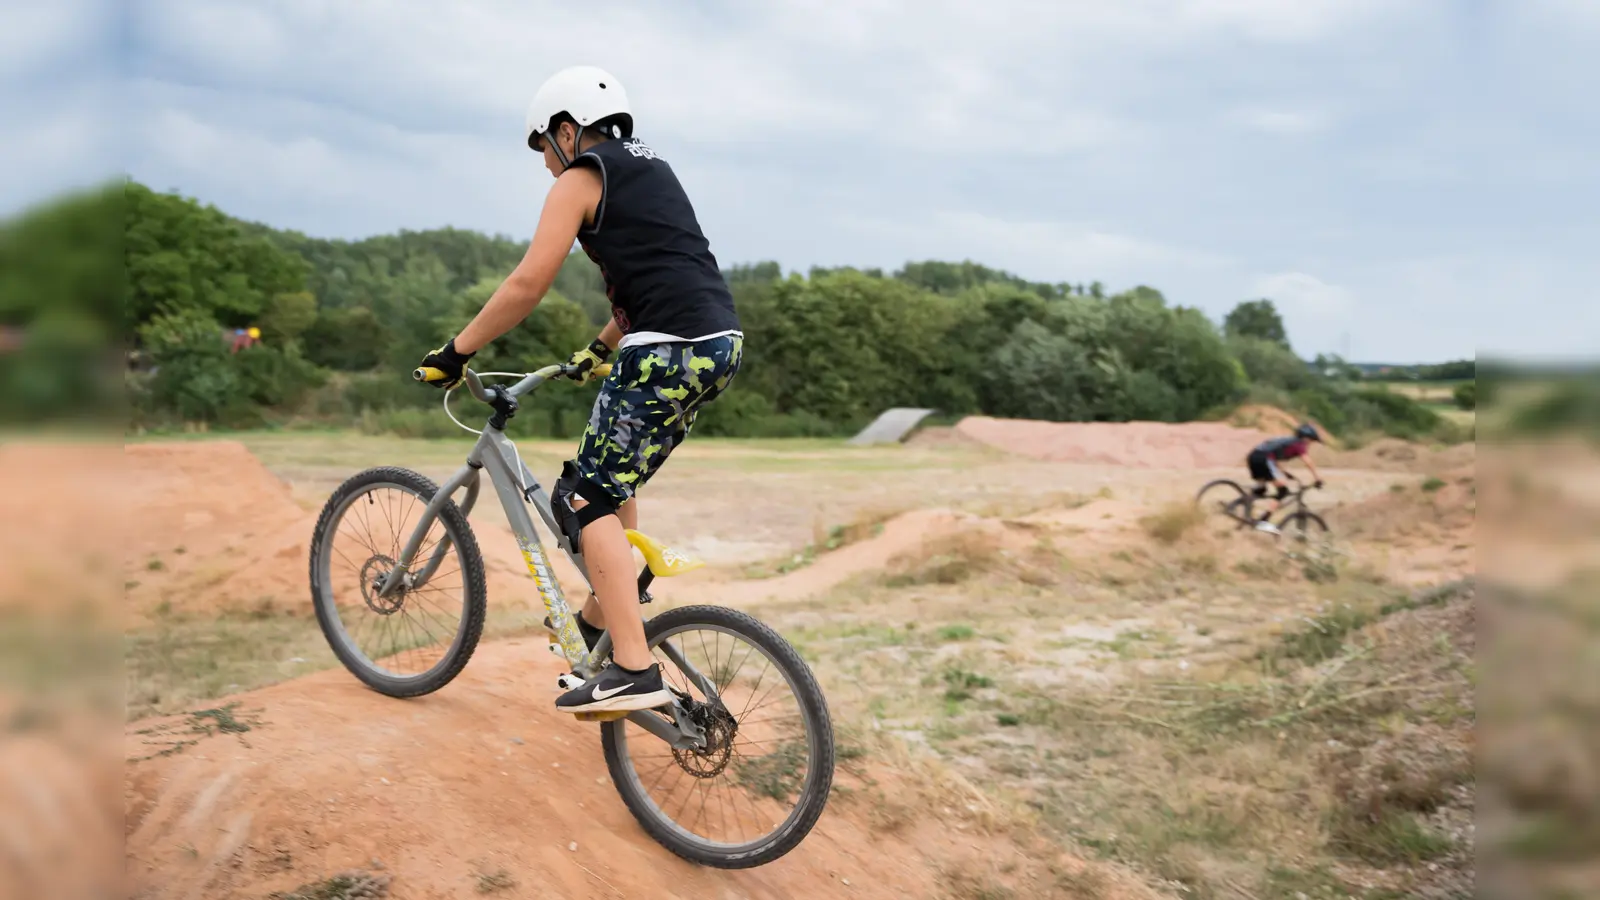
586 93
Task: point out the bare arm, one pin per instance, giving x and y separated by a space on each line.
611 335
570 203
1313 467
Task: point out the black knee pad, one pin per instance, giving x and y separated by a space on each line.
573 521
1260 490
1283 491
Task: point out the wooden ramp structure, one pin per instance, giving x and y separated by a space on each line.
891 426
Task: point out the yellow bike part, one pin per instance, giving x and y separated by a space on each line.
663 561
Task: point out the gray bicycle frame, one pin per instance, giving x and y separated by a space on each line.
518 488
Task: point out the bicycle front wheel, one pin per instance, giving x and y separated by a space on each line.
1304 525
417 639
760 783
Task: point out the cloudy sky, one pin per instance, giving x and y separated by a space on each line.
1408 179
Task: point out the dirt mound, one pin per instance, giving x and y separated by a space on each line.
941 436
483 779
1146 445
900 534
1420 532
212 529
1261 417
216 531
1393 455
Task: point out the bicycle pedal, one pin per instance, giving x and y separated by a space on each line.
569 682
609 716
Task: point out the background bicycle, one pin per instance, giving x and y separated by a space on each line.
1293 519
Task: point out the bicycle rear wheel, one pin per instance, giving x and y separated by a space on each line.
417 639
757 788
1224 496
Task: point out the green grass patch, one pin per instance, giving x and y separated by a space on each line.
955 633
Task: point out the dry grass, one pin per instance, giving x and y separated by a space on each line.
865 524
1329 755
1172 521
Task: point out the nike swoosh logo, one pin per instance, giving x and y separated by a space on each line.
602 694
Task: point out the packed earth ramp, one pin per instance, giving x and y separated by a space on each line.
480 780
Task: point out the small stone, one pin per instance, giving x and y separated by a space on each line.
555 765
573 846
845 881
384 780
518 741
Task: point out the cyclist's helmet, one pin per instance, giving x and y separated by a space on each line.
1307 432
587 96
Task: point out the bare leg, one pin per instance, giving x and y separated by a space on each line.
592 611
610 561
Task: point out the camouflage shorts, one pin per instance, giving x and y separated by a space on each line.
647 406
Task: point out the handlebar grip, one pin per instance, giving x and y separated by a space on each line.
427 373
602 370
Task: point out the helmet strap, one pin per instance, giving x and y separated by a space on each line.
577 144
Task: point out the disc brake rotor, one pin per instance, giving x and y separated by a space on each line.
720 729
373 574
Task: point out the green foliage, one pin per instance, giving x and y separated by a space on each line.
1266 362
350 339
1466 395
824 353
1257 319
287 317
183 256
62 281
194 376
1570 404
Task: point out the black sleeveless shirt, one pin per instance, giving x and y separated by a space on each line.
658 268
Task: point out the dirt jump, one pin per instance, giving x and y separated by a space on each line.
482 788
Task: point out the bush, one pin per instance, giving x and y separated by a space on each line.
1466 395
747 414
1398 415
194 375
1172 521
275 377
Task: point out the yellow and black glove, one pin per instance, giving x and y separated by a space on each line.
444 367
582 365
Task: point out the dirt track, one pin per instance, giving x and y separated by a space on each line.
482 776
485 776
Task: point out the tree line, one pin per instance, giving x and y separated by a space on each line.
343 323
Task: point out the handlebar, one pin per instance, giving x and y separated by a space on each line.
532 379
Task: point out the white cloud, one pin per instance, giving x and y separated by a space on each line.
1287 122
1062 139
1307 293
1041 250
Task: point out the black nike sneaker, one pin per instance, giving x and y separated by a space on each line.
617 689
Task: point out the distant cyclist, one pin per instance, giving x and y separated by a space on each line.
1264 469
676 337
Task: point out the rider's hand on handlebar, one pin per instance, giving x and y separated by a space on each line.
583 365
1318 485
444 367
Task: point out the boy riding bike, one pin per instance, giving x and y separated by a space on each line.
677 338
1263 462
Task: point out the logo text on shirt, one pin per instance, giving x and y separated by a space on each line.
638 149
